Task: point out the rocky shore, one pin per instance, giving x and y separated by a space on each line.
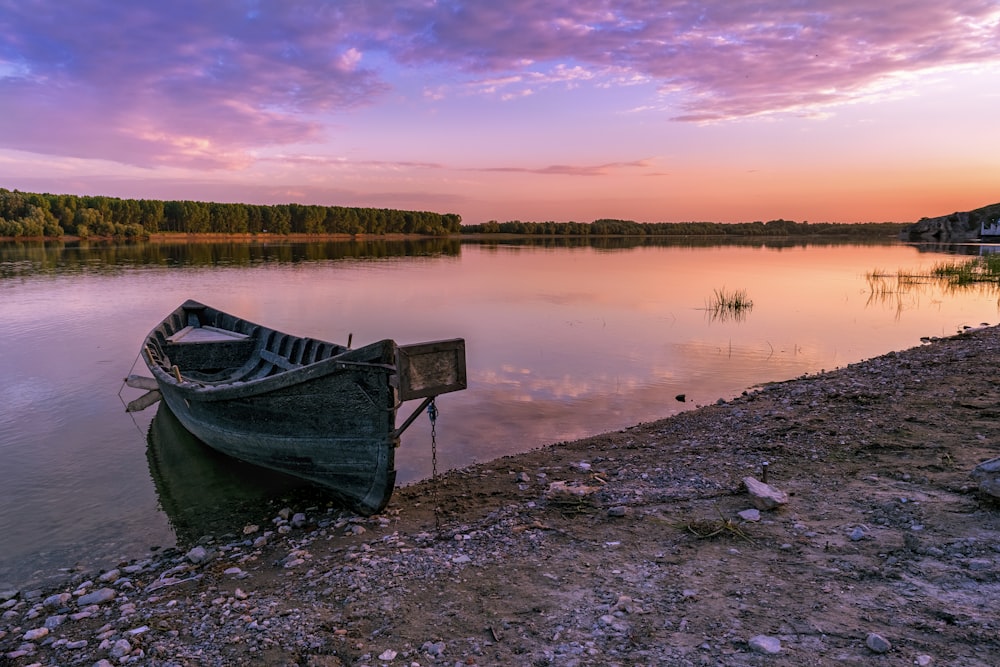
638 547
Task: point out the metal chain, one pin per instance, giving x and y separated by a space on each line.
432 412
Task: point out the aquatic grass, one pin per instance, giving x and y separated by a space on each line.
980 272
733 305
979 269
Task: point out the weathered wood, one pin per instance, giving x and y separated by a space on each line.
431 369
141 382
313 409
149 398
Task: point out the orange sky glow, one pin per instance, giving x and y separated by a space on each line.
569 110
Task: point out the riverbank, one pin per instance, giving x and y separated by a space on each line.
628 548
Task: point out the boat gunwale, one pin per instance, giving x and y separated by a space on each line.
235 386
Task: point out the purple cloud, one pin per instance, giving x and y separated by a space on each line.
197 84
572 170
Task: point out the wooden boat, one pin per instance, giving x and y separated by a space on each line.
310 408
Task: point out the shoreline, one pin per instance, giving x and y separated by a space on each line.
629 547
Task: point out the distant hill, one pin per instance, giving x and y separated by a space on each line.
958 226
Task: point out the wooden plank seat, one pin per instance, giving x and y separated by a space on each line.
206 334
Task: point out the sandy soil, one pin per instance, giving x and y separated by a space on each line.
885 554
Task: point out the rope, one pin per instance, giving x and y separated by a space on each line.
122 399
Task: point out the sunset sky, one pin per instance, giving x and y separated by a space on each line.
675 110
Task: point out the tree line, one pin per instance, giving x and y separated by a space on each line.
25 214
611 227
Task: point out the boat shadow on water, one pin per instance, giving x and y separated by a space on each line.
204 492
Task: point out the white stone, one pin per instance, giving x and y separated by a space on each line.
765 644
388 655
764 496
750 515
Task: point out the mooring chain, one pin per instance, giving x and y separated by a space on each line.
432 413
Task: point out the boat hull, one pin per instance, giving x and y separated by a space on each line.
303 407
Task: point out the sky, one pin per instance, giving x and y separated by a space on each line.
646 110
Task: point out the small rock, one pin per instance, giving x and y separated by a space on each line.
923 660
120 649
388 655
765 644
522 478
110 576
197 555
980 564
857 534
433 649
99 596
764 496
618 511
750 515
57 600
987 475
36 634
878 643
298 520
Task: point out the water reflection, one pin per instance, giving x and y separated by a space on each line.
203 492
58 257
21 259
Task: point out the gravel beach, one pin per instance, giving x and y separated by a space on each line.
873 546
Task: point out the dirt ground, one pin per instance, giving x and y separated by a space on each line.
628 548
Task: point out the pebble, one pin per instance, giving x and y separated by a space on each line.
99 596
765 644
197 555
877 643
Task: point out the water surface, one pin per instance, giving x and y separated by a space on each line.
563 341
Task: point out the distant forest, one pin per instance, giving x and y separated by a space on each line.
31 215
24 214
607 227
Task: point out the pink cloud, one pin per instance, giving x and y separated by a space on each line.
197 84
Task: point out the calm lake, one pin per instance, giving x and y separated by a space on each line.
563 341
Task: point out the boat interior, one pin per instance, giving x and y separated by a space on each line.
207 346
